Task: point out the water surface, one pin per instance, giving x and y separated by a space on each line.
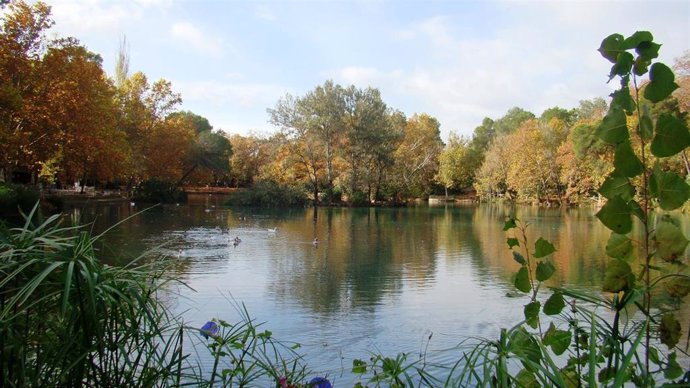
416 280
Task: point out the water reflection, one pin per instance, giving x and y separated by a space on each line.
378 280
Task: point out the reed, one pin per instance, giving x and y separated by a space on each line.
68 319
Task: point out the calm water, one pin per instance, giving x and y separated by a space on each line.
383 280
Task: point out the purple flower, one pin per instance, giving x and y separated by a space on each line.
320 382
210 328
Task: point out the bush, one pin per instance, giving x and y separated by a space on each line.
269 194
156 191
15 197
359 198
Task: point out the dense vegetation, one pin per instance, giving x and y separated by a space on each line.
63 120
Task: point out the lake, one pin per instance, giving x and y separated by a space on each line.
387 280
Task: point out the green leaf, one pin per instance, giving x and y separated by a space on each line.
558 340
641 66
619 246
646 127
661 83
654 356
635 39
647 51
526 379
623 65
671 136
555 304
670 241
509 224
359 366
670 189
543 248
613 128
625 161
531 312
618 276
523 345
615 215
544 270
518 257
669 330
612 46
623 99
636 209
673 369
512 242
522 280
617 185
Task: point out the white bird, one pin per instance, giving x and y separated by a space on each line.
272 230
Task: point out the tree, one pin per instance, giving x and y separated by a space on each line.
416 158
366 123
682 94
492 176
80 98
304 145
457 164
529 173
21 97
249 154
209 151
143 109
511 121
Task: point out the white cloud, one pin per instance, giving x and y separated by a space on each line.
263 12
254 95
84 16
188 33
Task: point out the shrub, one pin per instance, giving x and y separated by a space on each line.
270 194
157 191
15 197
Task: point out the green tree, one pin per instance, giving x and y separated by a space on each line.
511 121
366 123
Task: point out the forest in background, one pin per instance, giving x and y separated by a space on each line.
64 120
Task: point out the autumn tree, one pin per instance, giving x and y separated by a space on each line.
529 173
416 158
80 97
582 157
249 155
457 164
143 108
24 142
491 178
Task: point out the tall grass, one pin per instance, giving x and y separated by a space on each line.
67 319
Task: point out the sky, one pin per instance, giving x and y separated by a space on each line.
459 61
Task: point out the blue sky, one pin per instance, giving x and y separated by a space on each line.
458 61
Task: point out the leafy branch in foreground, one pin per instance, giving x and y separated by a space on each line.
612 339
